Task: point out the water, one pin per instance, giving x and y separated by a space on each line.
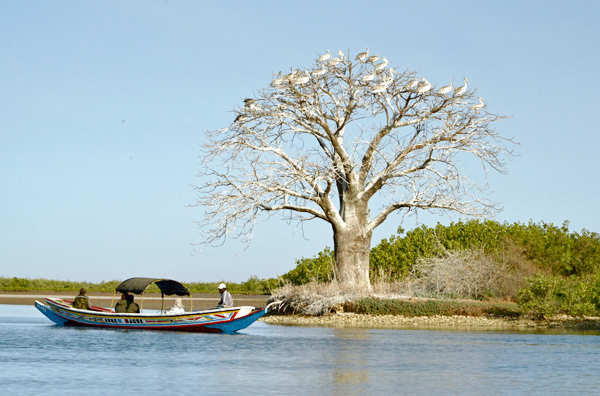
38 358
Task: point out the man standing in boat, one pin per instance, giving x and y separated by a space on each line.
81 301
226 299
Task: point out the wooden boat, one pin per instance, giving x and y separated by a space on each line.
218 320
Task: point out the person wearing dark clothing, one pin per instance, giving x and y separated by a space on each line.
132 307
121 306
81 301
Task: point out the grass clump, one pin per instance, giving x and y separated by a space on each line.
374 306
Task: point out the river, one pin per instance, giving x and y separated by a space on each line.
37 357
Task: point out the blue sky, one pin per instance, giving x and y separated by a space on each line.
103 106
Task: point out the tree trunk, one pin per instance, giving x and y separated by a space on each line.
352 258
352 247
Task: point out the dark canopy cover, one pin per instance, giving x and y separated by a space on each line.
166 286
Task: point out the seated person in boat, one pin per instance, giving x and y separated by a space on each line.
132 307
121 306
226 299
81 301
177 307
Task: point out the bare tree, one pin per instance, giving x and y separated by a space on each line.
321 142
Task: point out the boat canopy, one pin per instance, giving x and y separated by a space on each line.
167 286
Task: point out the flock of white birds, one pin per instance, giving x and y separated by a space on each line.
384 79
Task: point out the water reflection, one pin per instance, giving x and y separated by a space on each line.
351 359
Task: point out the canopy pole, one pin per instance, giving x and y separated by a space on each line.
162 305
142 303
191 303
113 300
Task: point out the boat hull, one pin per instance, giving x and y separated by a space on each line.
226 320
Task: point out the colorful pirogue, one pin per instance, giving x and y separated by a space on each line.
218 320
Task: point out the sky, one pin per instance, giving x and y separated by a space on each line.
103 107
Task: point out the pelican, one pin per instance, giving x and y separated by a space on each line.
446 89
362 56
341 54
302 79
411 84
249 102
318 72
291 76
278 80
368 77
478 106
379 88
324 57
390 78
423 86
335 61
382 65
373 58
461 90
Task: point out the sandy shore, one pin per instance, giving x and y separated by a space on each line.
433 322
151 300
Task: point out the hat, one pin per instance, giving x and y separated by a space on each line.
222 286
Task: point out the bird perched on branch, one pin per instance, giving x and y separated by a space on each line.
446 89
362 56
461 90
324 57
423 86
249 102
411 84
373 59
478 106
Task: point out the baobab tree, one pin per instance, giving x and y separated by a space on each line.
320 143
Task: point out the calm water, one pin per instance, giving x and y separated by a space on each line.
37 357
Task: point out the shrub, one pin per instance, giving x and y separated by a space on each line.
549 295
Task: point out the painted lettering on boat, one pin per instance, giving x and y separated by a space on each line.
135 321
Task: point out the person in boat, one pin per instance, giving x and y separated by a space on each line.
121 306
226 299
81 301
132 307
177 307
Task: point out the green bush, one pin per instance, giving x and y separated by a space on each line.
316 269
549 295
375 306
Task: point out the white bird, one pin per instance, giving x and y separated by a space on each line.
368 77
318 72
240 118
461 90
411 84
341 54
382 65
363 55
335 61
291 76
478 106
423 86
378 88
373 58
446 89
249 102
302 79
390 78
324 57
277 81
